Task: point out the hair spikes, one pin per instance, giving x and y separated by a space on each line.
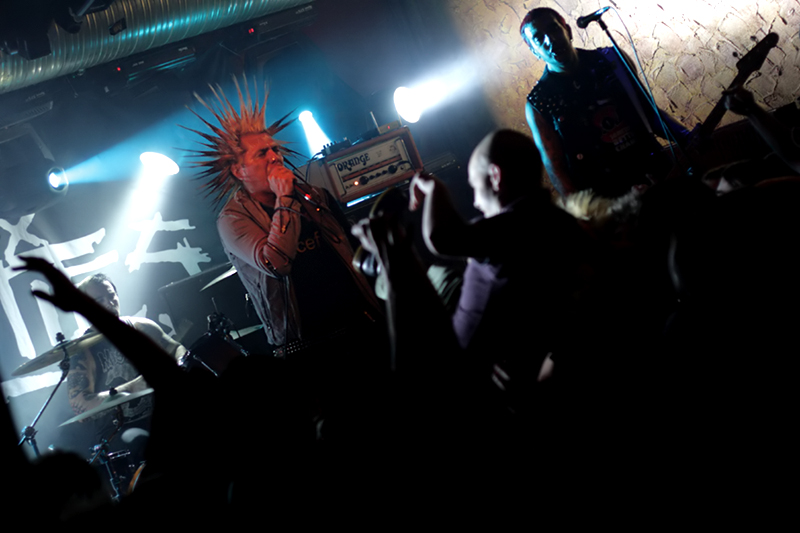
221 153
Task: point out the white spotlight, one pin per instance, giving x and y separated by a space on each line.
314 135
408 104
448 83
159 164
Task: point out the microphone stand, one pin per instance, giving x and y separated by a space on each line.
638 83
102 456
29 432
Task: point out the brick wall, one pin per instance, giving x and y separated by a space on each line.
688 48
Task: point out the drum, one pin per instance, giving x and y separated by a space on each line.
119 470
213 353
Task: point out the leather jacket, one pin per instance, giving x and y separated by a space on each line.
262 249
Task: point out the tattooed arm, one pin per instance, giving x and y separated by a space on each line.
81 383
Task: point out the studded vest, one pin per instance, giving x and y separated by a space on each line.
606 143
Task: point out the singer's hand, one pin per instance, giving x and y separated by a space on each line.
281 180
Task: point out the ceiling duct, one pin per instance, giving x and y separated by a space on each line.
149 24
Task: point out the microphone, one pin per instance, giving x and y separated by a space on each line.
584 21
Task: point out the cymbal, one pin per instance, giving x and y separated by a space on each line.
228 273
109 403
56 353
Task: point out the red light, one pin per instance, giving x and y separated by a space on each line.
251 30
119 69
307 197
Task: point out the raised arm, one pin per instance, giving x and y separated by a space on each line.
147 356
549 145
443 229
154 331
422 338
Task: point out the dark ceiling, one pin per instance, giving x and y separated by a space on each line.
343 63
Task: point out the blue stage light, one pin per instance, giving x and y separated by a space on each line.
57 178
314 135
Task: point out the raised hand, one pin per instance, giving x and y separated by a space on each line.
375 236
422 185
65 295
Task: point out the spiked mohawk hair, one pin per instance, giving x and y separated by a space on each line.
223 147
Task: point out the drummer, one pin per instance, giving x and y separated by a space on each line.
101 367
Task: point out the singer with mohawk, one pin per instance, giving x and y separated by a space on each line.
286 238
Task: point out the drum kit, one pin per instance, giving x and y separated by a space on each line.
116 464
212 352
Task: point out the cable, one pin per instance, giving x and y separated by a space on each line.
668 135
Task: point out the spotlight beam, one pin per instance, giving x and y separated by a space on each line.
314 135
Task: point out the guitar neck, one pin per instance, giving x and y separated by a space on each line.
750 63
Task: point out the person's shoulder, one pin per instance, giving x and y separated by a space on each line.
139 322
238 206
492 229
146 326
235 202
595 52
603 55
540 92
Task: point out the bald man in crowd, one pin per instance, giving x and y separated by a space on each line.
523 257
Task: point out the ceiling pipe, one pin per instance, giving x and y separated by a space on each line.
150 24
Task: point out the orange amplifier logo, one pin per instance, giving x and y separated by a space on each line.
374 165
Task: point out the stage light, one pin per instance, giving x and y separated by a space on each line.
57 178
408 104
446 85
29 176
158 164
411 103
314 135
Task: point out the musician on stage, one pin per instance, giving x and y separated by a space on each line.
588 119
291 251
101 366
286 239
